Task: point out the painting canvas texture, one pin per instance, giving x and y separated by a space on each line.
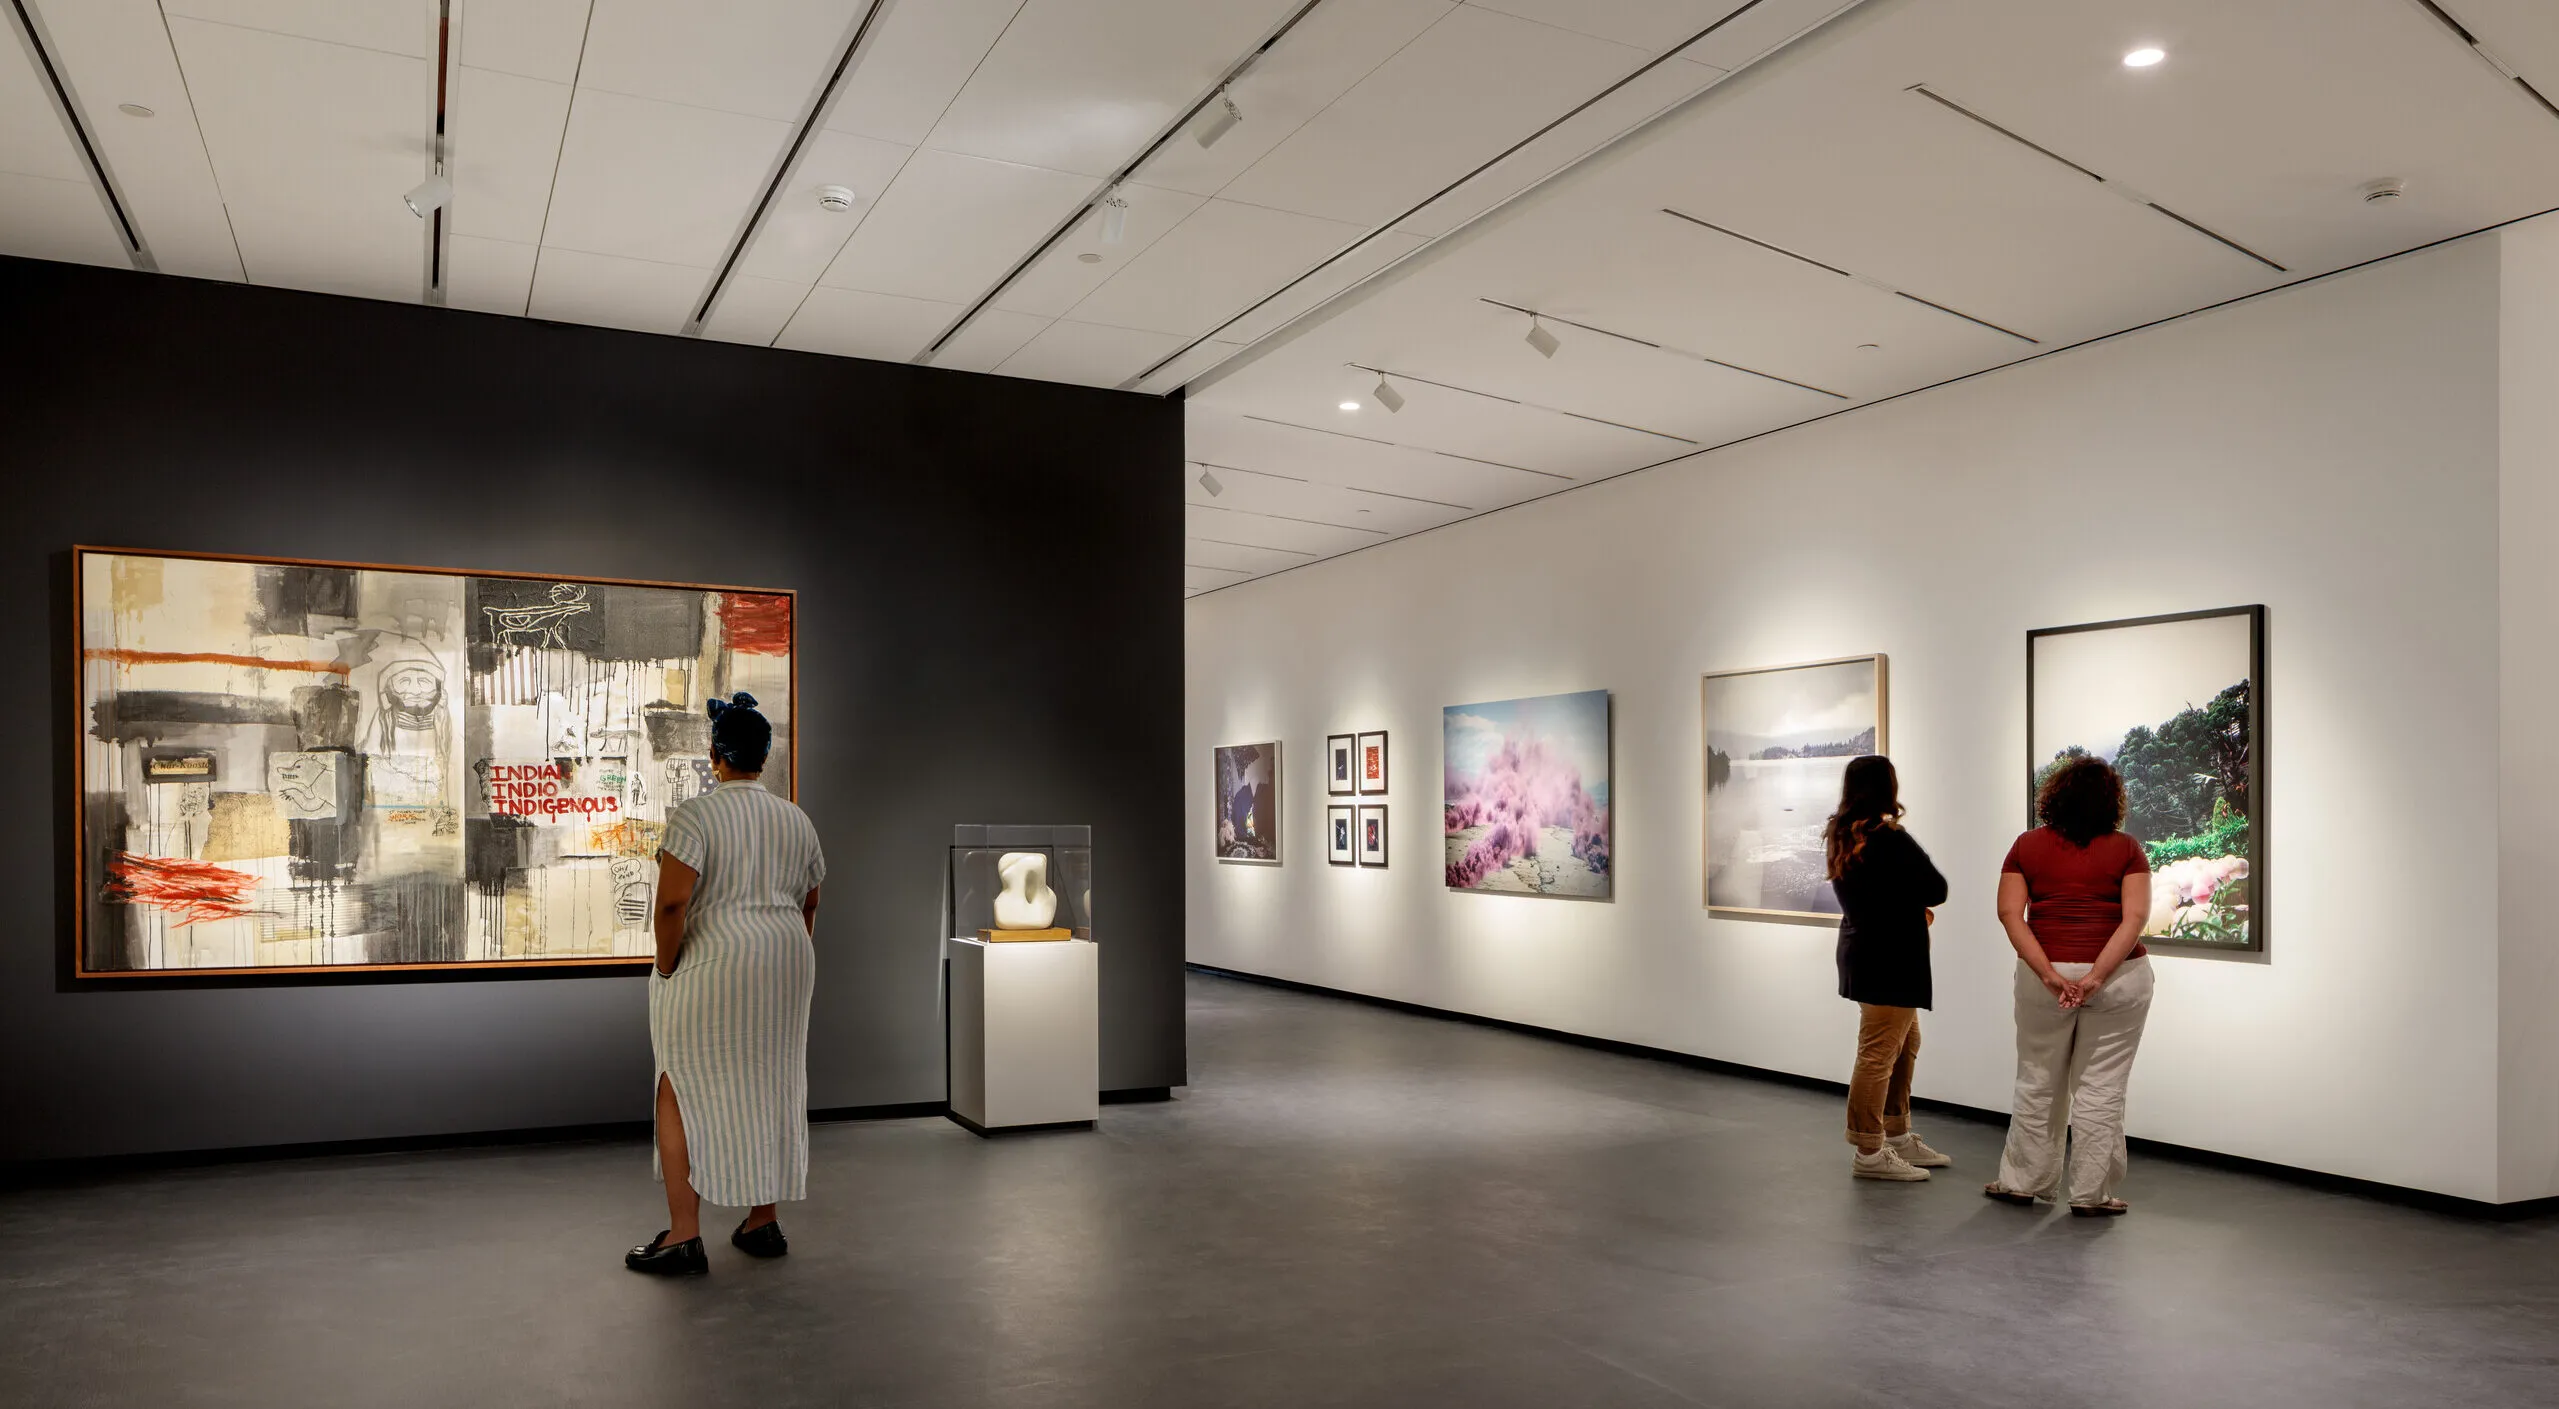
1248 802
1526 796
2172 705
1778 744
307 766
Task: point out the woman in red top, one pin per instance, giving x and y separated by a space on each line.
2074 894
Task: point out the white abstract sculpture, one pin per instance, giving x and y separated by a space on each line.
1026 902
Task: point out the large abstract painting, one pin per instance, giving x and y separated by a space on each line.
2176 703
1525 796
289 765
1778 743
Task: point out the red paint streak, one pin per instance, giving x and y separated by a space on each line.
756 623
125 657
195 891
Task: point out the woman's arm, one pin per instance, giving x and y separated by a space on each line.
2126 935
675 897
808 911
2012 918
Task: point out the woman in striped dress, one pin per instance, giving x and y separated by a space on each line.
738 875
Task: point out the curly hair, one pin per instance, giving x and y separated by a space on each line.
2080 797
1869 801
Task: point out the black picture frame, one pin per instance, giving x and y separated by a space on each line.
1359 764
1341 762
1341 834
2258 811
1371 827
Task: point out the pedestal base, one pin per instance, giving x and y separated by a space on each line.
1026 1049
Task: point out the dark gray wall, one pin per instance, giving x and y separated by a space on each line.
923 515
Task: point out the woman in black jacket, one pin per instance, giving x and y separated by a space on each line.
1886 887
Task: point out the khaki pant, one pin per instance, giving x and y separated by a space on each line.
1879 1088
2072 1067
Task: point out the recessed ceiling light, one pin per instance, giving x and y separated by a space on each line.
1350 405
1089 257
133 110
2144 57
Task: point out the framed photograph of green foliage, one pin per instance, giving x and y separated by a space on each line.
2177 705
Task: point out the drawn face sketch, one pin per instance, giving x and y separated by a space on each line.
408 711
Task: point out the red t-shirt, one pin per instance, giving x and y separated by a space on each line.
2075 894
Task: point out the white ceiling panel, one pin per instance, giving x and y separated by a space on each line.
1650 25
1087 353
1081 85
393 26
1327 455
1234 524
1199 577
1331 279
913 64
799 238
45 218
33 141
502 147
1064 276
990 337
313 144
605 291
528 38
1211 267
950 225
763 58
859 323
1373 516
1755 31
1475 83
1336 46
658 181
488 276
753 310
119 50
1243 557
2523 33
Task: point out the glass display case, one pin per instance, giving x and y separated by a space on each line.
977 848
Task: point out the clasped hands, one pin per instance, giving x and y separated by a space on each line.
2071 992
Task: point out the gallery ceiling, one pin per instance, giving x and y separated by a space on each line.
1733 215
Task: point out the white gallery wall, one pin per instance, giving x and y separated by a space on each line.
2335 452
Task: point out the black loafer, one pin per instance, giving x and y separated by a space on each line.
766 1241
658 1259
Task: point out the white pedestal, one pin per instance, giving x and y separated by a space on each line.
1026 1034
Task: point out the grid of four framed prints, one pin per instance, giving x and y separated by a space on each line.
1355 766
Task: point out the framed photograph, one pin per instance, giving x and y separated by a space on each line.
1340 831
1339 751
1372 834
1525 796
290 766
2177 704
1248 804
1778 741
1372 764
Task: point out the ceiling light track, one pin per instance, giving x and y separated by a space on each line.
2116 188
1345 488
1672 351
1515 401
1673 52
2487 55
1868 280
1416 449
432 201
810 120
1291 518
68 110
1231 543
1107 195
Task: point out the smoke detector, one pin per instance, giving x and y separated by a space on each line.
835 200
2384 191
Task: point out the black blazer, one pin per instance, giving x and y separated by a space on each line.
1883 928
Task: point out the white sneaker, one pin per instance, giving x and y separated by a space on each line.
1885 1163
1916 1154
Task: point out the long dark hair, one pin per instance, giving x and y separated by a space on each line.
2082 798
1869 801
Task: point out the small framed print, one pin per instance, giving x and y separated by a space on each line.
1340 827
1340 751
1372 834
1371 764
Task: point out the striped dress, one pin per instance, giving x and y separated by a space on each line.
731 1028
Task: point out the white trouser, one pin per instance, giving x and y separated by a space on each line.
2072 1067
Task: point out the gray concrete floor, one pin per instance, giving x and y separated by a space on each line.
1348 1207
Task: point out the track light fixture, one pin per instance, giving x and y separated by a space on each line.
1114 217
1222 117
428 196
1544 341
1209 482
1387 396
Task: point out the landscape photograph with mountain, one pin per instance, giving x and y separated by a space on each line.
1778 741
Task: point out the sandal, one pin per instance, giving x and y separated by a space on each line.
2007 1196
2111 1208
